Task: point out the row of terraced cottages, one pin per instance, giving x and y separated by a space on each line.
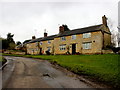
88 40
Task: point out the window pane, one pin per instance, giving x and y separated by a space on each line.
83 35
40 43
86 35
48 48
49 41
63 38
73 36
62 47
87 46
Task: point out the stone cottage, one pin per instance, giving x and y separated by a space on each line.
87 40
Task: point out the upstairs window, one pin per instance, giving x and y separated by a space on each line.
73 37
40 43
62 47
87 45
86 35
49 41
63 38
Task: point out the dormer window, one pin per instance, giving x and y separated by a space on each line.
86 35
63 38
49 41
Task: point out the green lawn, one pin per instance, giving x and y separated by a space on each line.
103 68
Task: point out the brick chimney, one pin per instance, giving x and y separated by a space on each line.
33 37
45 34
61 29
104 20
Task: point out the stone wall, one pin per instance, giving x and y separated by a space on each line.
96 46
14 52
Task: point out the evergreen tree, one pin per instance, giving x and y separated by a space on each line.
65 27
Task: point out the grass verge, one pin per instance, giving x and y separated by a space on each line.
2 61
103 68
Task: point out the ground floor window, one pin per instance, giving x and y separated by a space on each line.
87 45
62 47
36 49
48 48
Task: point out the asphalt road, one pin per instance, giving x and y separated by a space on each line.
35 73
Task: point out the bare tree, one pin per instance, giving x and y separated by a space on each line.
114 35
118 36
114 39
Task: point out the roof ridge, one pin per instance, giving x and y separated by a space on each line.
70 32
88 27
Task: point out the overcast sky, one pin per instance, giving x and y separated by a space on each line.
119 22
25 18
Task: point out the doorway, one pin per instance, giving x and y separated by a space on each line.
73 48
40 51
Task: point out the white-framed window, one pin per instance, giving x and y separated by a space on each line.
63 38
86 35
40 43
62 47
87 45
73 36
36 44
49 41
48 48
35 49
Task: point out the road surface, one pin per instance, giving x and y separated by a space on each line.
36 73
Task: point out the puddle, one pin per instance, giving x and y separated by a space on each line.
46 74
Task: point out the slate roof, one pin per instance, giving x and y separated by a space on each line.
49 37
70 32
81 30
27 41
43 39
35 40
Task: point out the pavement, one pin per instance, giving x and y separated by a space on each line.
35 73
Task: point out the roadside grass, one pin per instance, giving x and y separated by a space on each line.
2 60
103 68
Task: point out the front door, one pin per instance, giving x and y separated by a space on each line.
73 48
40 51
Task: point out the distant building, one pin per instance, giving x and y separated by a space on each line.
88 40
